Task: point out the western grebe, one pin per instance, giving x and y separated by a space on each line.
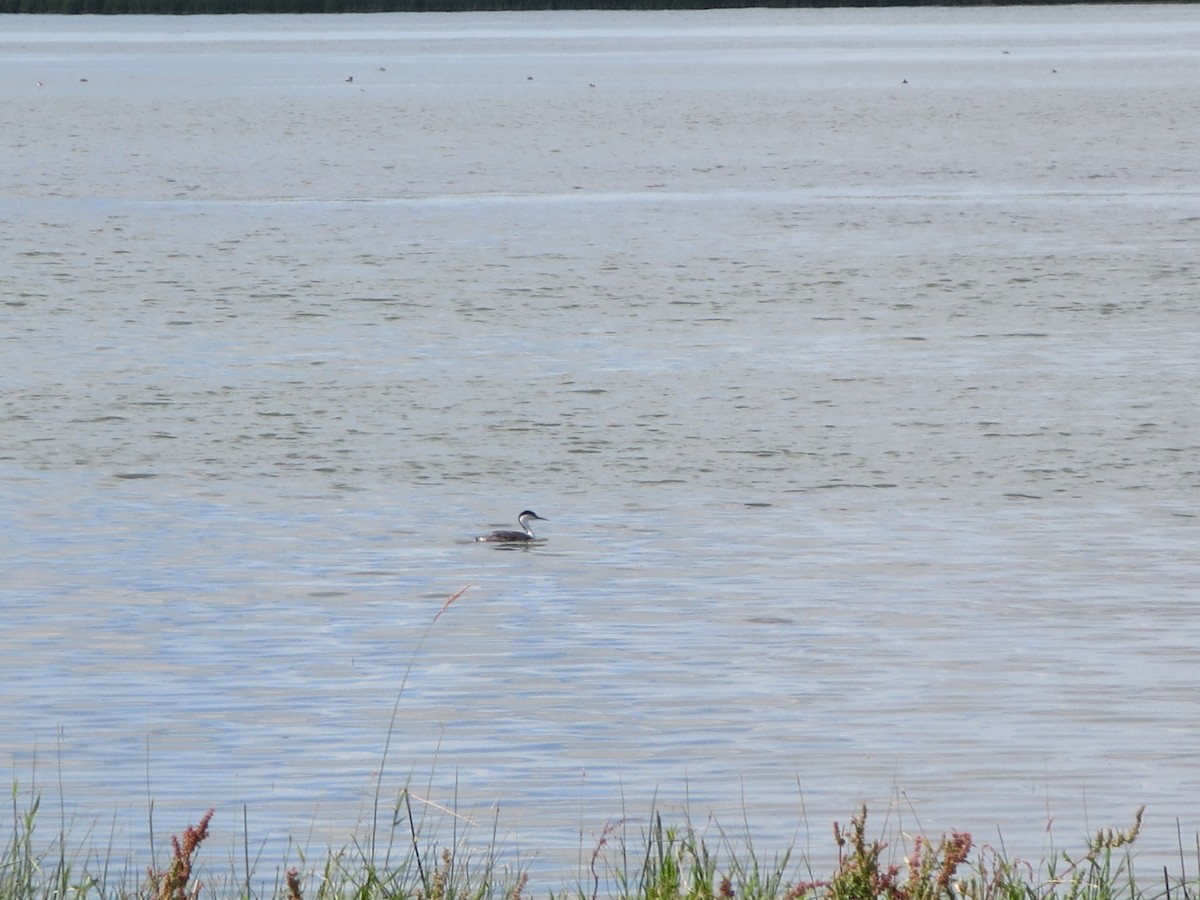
513 537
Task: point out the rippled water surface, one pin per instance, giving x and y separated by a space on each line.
852 355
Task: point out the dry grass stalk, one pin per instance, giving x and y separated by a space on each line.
173 883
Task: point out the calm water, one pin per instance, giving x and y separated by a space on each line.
853 356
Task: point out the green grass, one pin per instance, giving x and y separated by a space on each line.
406 858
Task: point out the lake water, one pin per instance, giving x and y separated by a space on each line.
853 356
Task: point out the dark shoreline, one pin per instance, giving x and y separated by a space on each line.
228 7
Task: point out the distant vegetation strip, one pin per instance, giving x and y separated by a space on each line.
219 7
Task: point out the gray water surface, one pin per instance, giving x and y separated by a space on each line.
851 354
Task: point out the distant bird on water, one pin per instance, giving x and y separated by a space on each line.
514 537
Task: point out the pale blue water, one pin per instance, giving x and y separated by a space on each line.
863 413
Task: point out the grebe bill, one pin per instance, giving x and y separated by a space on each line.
512 537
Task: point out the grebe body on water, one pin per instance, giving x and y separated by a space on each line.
514 537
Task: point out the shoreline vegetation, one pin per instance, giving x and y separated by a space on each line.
222 7
399 855
662 862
